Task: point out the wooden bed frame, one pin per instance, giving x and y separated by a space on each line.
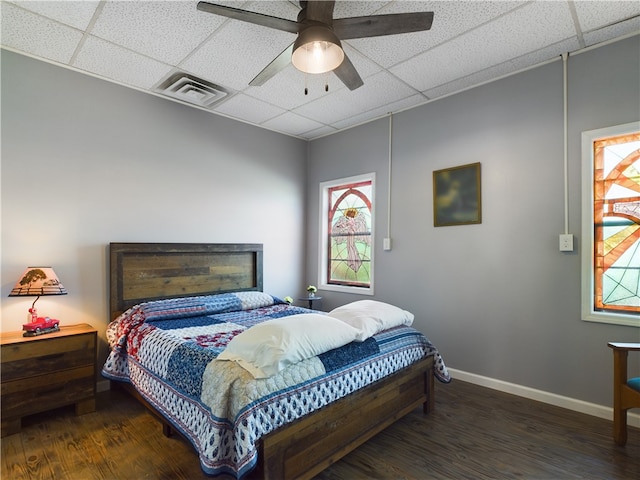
151 271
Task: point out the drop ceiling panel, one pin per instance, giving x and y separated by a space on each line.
282 9
616 30
502 69
249 109
356 8
594 15
119 64
139 43
490 45
164 31
237 53
380 89
76 14
366 65
38 36
291 122
381 111
320 132
451 18
286 89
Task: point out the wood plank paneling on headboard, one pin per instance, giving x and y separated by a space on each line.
142 272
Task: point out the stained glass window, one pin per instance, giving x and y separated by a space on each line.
616 213
347 233
611 225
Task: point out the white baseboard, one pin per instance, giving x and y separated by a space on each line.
542 396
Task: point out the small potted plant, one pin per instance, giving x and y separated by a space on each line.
311 290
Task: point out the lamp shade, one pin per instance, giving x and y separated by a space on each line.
317 50
36 281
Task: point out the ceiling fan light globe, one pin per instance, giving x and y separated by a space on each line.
317 50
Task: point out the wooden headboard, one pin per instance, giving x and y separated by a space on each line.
141 272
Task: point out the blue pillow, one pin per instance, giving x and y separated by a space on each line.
634 383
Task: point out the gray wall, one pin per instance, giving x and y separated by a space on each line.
498 299
86 162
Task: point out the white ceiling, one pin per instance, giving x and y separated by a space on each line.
141 43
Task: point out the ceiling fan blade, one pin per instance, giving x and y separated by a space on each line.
319 11
251 17
278 64
348 74
378 25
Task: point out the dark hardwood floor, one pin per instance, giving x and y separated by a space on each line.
474 433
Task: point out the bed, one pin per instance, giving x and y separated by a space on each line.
184 317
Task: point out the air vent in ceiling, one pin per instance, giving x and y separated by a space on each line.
193 90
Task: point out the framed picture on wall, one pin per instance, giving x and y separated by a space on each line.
456 196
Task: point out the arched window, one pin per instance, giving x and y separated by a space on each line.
346 260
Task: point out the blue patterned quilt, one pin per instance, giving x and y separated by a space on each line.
166 349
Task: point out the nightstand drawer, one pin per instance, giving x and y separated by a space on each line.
45 346
38 394
29 360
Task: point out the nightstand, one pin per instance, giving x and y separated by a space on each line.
46 372
310 299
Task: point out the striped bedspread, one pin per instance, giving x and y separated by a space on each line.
166 349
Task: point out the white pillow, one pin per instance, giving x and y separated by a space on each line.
370 317
269 347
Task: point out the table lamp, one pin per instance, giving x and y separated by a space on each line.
35 282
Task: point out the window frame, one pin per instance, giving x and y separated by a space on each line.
324 238
588 271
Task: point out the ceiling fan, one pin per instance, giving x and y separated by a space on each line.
319 36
